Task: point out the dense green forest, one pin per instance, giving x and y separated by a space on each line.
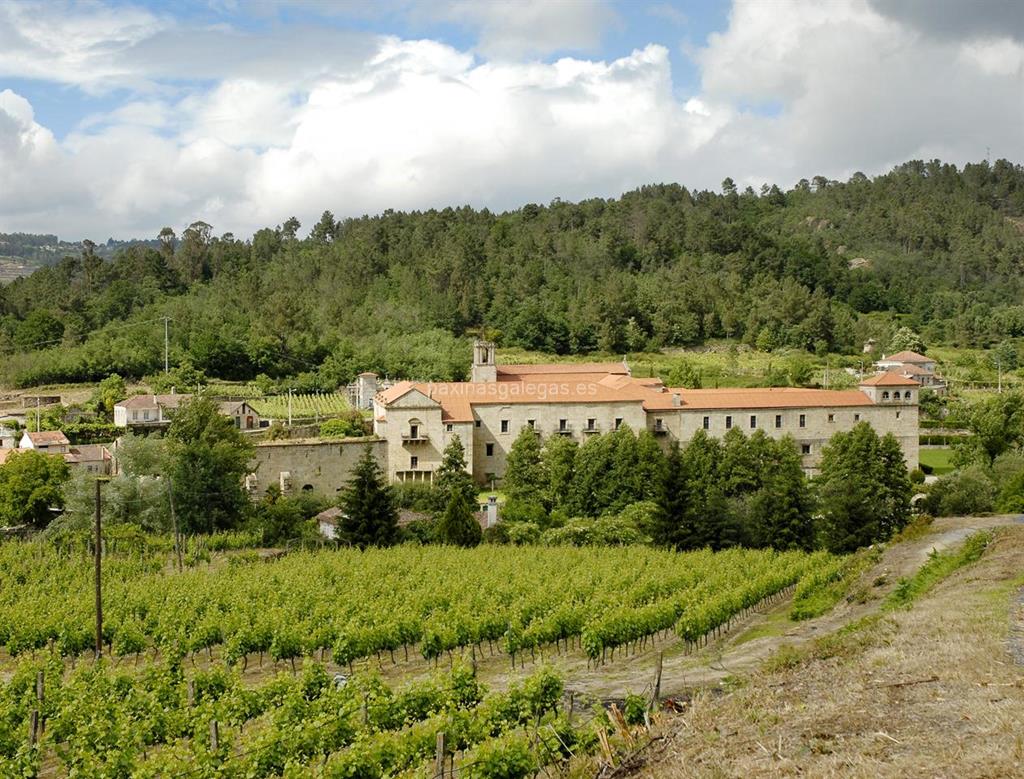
820 267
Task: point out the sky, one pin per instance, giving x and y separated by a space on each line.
120 118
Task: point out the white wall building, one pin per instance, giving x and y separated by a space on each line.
418 419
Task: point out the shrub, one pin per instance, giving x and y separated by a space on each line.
968 491
917 476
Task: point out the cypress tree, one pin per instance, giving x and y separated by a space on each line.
782 507
458 526
558 460
674 525
370 517
896 485
524 470
452 478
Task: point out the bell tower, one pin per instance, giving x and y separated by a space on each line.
484 368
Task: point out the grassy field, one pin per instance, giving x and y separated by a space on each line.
939 459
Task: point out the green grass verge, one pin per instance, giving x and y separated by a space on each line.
940 460
939 566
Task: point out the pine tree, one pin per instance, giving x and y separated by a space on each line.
452 478
651 467
370 516
524 470
457 525
851 492
782 508
674 524
703 457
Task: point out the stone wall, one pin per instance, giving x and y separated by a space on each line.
323 467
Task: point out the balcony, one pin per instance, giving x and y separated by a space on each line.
591 429
415 438
563 430
659 429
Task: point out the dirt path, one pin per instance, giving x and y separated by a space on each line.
928 691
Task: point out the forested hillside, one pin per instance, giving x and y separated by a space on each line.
940 248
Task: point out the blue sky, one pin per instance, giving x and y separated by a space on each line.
679 26
119 117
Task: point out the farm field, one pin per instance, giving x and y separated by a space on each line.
175 638
304 406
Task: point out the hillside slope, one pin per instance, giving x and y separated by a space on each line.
929 691
820 267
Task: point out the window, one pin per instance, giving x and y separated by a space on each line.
885 395
831 417
414 431
707 423
591 424
659 424
856 417
449 428
778 420
414 461
753 421
728 423
803 420
478 423
563 424
504 425
531 423
489 448
897 414
618 422
135 416
145 414
805 448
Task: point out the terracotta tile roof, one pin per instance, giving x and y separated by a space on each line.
914 370
770 397
907 357
393 393
48 438
889 379
152 401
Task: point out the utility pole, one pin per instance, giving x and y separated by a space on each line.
99 595
167 364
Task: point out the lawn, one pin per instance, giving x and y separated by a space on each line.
940 459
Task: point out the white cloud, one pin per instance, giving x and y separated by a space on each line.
379 122
528 28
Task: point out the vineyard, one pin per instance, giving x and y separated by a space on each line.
178 646
304 406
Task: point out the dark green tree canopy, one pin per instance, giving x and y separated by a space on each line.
208 461
370 516
457 525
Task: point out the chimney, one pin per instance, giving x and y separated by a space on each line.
677 400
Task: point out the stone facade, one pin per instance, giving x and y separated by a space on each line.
417 420
295 466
